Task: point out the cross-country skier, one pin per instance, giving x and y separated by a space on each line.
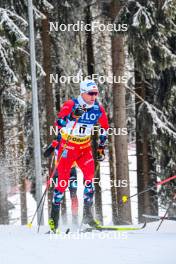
53 148
81 114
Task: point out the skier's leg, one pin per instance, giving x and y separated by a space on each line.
62 183
86 164
88 203
73 195
55 210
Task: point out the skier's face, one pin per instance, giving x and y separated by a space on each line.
90 97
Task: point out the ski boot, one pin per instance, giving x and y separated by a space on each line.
54 219
55 211
88 218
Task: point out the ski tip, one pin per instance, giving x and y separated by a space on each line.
29 225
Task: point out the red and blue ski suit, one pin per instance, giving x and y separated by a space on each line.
78 148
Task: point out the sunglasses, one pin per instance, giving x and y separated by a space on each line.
92 93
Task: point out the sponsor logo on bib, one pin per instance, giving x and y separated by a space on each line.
87 116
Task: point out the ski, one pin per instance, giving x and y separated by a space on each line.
57 232
157 217
113 228
104 228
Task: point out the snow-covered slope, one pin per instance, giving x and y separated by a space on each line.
20 244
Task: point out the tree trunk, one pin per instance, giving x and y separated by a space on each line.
147 202
112 166
49 100
119 107
23 202
89 44
4 215
2 148
98 197
91 71
22 181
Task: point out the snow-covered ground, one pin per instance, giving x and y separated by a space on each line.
20 244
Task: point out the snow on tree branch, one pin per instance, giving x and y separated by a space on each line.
14 15
167 4
160 120
47 4
142 15
11 36
7 24
39 15
4 62
40 68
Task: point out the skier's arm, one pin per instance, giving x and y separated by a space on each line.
63 115
103 121
67 112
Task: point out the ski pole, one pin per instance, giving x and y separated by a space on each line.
164 217
30 224
41 213
125 198
54 171
44 197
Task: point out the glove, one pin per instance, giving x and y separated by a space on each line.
100 153
50 148
78 112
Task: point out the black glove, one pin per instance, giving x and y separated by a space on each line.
100 153
78 112
48 151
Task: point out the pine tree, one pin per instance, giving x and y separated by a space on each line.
150 37
12 43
